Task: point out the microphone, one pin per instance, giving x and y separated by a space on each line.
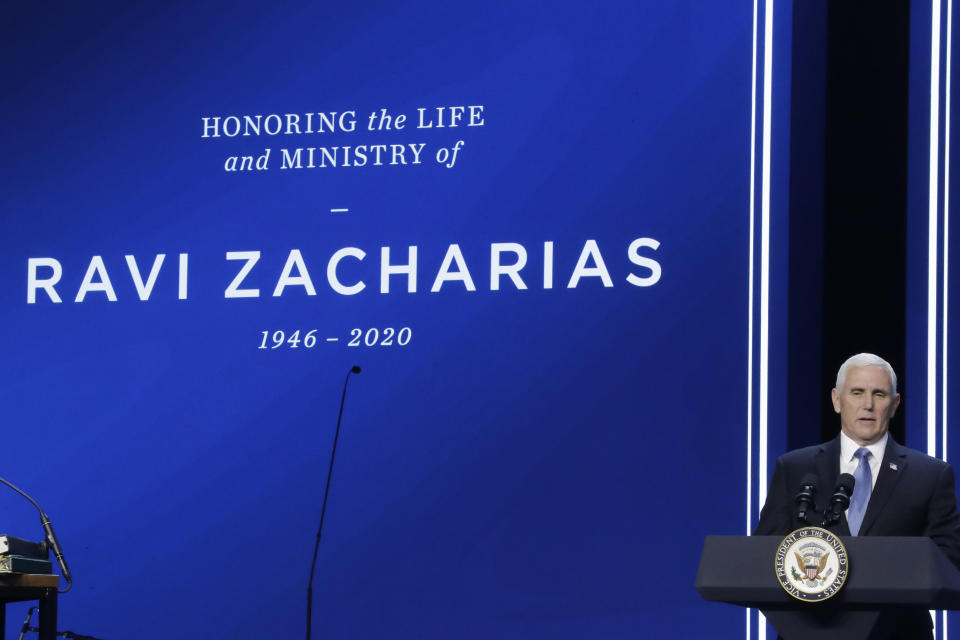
806 497
26 624
326 492
50 536
840 500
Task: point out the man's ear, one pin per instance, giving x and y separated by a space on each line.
835 396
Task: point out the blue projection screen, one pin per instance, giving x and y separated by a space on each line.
527 222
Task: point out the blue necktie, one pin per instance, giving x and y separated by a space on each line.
861 491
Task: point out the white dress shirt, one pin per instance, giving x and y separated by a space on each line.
848 463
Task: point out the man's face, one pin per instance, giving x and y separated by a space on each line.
865 404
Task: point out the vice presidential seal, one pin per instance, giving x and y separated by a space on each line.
811 564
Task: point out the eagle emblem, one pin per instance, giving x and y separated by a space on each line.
812 561
811 564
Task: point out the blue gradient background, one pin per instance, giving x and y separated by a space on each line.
918 335
532 464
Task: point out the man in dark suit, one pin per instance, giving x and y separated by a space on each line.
898 491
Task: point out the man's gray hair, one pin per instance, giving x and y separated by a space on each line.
866 360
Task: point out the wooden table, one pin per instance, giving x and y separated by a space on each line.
22 587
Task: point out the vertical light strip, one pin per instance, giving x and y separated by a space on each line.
946 235
932 220
946 248
753 181
932 232
765 248
765 268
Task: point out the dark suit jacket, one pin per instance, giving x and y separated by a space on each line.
917 498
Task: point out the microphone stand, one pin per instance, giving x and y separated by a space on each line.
26 624
69 635
50 537
326 492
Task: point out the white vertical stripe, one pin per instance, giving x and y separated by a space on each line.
946 244
765 268
946 248
932 232
932 241
765 249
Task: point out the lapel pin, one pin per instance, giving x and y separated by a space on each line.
893 466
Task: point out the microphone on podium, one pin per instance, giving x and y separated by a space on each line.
806 498
840 500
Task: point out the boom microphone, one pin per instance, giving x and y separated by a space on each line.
806 498
50 536
326 492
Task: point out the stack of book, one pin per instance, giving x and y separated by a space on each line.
23 556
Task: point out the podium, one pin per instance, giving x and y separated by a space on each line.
22 587
887 575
